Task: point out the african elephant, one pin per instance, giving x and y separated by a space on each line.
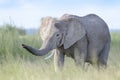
85 39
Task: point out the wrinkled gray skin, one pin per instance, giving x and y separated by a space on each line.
85 39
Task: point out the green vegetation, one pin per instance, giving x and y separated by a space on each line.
17 64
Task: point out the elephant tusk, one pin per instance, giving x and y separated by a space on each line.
49 56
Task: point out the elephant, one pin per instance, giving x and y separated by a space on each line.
86 39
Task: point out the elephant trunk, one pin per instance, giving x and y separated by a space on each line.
35 51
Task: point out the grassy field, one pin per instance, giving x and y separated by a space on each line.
17 64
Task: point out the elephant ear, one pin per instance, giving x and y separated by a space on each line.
75 31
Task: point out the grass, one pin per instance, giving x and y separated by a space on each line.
17 64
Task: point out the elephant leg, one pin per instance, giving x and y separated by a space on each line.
79 57
103 56
58 59
80 52
92 56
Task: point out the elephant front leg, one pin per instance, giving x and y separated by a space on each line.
58 59
80 52
79 57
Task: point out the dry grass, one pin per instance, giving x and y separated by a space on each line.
43 70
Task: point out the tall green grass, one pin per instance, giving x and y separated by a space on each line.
18 64
11 41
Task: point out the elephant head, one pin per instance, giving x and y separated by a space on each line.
55 33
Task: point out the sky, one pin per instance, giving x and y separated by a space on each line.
28 13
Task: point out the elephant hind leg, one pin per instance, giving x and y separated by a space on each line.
103 56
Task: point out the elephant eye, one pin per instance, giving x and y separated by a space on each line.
57 35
